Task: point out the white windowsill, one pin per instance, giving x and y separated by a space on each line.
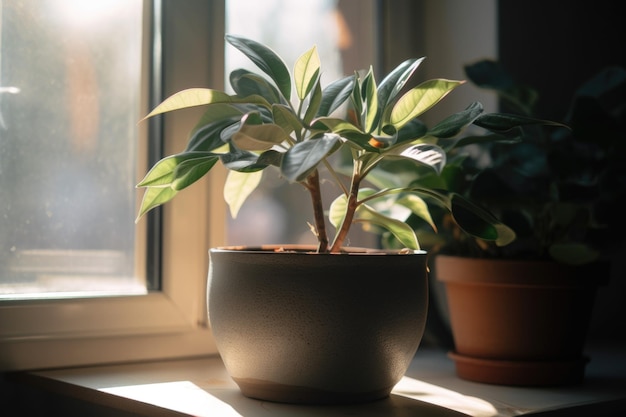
201 387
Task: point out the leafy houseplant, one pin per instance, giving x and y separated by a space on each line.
560 190
258 128
305 324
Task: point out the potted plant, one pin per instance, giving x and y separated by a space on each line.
326 323
560 190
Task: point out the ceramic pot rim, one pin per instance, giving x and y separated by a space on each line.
301 249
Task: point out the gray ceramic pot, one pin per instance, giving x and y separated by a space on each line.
303 327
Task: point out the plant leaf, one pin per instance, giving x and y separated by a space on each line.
395 81
190 97
370 109
246 83
480 223
266 59
303 157
191 170
455 123
419 99
253 136
154 197
314 103
162 174
306 71
402 231
501 122
238 187
573 253
286 119
426 154
418 206
335 94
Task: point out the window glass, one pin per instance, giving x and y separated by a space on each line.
70 79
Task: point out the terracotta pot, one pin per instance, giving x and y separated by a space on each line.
302 327
519 322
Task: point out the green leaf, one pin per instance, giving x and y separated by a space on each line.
573 253
306 71
154 197
162 174
426 154
190 97
396 79
205 136
455 123
314 103
300 160
238 188
418 207
402 231
420 99
335 94
286 119
368 88
479 222
246 83
242 161
501 122
191 170
252 136
266 59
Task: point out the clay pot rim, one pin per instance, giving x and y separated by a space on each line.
519 272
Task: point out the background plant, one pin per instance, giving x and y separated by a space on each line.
561 190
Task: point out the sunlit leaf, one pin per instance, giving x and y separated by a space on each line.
426 154
154 197
163 172
420 99
402 231
418 207
238 188
395 81
370 110
306 71
191 170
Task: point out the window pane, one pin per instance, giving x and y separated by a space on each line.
70 78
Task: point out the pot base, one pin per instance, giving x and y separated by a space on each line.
270 391
519 372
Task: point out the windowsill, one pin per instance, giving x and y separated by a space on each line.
201 387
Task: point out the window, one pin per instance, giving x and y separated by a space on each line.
88 137
69 147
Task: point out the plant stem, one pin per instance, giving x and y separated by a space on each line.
352 205
313 185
